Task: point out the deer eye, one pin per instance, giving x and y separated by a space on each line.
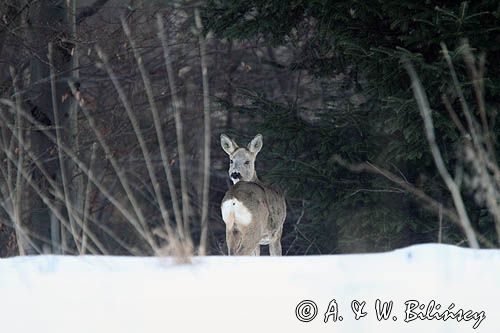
231 161
247 162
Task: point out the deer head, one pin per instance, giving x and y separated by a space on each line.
241 160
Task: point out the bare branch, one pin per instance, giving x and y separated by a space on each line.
429 203
20 162
140 138
111 198
425 112
86 202
58 193
178 123
120 173
158 129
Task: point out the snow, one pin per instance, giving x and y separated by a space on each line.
248 294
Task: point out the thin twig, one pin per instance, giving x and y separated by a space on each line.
465 108
139 136
57 193
20 162
53 209
478 83
86 202
454 116
176 105
120 173
440 231
158 129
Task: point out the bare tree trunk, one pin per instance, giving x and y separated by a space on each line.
207 136
78 194
48 23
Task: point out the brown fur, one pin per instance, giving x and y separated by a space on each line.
266 205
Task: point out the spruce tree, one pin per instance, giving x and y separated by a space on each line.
364 42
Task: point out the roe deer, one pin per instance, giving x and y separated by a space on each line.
253 212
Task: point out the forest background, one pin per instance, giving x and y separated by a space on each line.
89 89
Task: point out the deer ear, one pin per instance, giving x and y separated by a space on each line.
227 144
256 144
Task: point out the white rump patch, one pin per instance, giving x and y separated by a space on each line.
233 211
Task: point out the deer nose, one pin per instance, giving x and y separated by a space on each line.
236 175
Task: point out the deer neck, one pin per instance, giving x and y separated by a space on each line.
255 179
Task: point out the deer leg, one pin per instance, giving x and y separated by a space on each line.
249 241
231 240
275 244
249 247
275 247
257 251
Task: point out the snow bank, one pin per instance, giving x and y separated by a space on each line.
246 294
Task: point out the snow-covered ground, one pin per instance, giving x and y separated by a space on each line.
247 294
